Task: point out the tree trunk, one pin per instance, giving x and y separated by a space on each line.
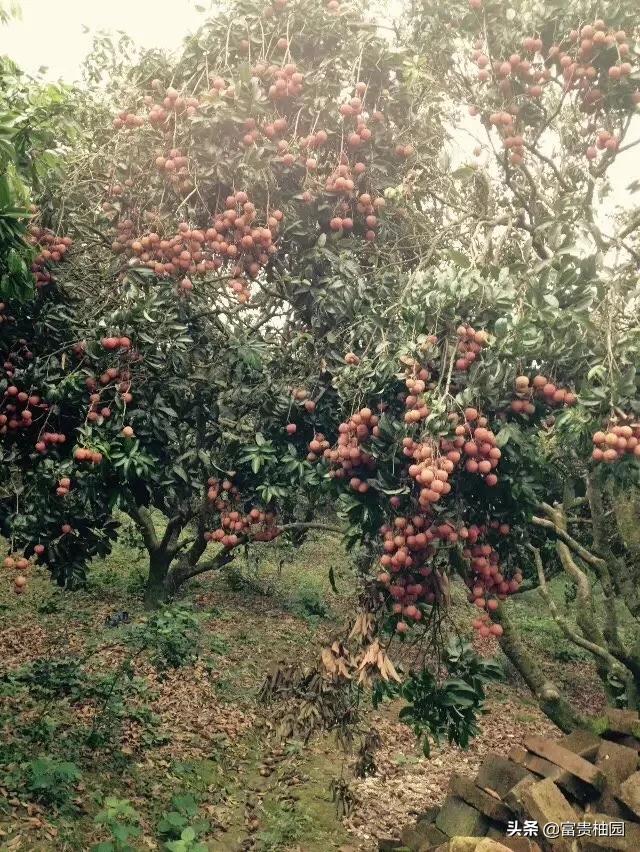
157 589
550 700
185 569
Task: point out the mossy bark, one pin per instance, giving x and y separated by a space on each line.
550 700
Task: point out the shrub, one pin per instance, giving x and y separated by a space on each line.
172 636
49 780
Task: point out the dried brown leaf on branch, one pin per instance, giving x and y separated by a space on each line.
364 627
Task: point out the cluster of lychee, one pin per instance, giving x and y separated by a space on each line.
405 575
429 470
114 382
470 344
49 439
233 238
287 80
605 140
365 205
619 440
110 375
301 396
575 58
174 166
317 445
64 486
19 354
128 120
236 525
173 105
19 409
415 402
487 583
85 454
53 249
541 387
348 457
578 60
476 444
15 562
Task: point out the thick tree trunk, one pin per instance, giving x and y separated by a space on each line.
157 589
550 700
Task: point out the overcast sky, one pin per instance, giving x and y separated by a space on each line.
51 34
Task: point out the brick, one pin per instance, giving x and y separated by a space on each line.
479 799
471 844
567 760
434 837
514 798
616 762
629 793
514 844
544 768
499 774
462 844
623 739
412 838
428 816
458 819
629 843
415 836
545 803
489 845
581 742
390 844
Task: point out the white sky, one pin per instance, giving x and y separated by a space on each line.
51 34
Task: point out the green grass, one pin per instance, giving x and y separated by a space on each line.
284 826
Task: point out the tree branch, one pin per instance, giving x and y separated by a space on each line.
184 571
301 525
564 625
577 548
173 528
142 516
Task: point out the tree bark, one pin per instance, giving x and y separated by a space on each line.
550 700
184 570
156 590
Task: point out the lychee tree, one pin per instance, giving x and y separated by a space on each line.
231 193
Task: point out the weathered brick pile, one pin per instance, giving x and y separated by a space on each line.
580 778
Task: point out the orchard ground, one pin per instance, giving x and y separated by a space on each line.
199 732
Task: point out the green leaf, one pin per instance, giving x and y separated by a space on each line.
459 258
181 472
501 327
